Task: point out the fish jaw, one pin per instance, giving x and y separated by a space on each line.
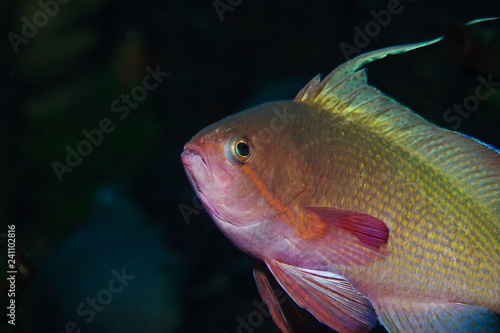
218 185
195 161
261 237
252 238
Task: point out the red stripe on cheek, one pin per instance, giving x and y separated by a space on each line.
259 184
306 228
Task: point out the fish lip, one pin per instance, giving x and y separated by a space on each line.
193 151
192 148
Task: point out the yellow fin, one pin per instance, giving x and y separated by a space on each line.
471 165
316 91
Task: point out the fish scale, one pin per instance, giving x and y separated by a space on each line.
417 208
415 199
359 209
459 270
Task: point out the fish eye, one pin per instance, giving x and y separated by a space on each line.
242 149
239 150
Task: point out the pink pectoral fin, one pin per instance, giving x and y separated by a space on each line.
288 316
328 296
367 228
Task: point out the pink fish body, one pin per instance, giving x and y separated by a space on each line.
358 208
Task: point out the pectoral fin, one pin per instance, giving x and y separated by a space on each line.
328 296
399 317
345 237
287 315
367 228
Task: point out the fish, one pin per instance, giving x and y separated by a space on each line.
358 208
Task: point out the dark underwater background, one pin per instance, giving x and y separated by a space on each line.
126 208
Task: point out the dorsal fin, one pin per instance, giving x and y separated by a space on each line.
473 166
316 88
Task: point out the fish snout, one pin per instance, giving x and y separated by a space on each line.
195 164
193 153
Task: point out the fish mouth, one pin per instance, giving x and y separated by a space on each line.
194 161
191 158
197 167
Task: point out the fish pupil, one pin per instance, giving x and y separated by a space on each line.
242 149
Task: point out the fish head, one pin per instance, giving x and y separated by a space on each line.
241 167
